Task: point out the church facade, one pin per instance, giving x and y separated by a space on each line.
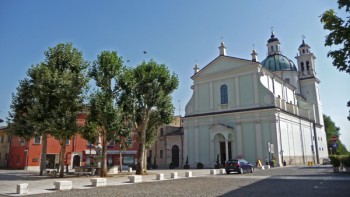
269 110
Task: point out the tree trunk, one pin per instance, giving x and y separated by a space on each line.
62 156
120 158
43 155
142 145
139 169
104 156
145 163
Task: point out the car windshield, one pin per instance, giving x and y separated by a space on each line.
232 161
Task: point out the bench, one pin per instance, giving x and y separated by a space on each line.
63 185
97 182
188 174
213 171
160 176
22 188
82 172
135 178
174 175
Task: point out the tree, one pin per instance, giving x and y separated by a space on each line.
332 130
339 36
104 111
21 120
146 92
22 102
61 79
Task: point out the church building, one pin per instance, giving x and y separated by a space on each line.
268 110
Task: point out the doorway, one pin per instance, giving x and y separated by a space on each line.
175 155
223 152
76 161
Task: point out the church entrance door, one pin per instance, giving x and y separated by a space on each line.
223 152
175 155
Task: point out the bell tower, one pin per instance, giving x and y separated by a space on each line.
309 83
306 61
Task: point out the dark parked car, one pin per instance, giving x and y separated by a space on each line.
238 165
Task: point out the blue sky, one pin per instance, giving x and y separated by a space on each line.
178 33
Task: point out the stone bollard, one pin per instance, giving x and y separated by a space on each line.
188 174
97 182
135 178
130 169
222 171
213 171
160 176
261 167
174 175
63 185
22 188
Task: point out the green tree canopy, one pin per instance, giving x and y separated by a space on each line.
105 116
332 130
339 35
19 117
146 92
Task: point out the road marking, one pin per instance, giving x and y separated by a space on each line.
318 187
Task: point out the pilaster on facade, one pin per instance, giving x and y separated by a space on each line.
237 92
239 139
258 140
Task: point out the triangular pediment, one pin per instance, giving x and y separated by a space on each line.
220 127
222 64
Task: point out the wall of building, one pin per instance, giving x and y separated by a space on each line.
4 147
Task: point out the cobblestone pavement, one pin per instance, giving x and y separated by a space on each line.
312 179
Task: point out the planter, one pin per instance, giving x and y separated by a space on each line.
336 169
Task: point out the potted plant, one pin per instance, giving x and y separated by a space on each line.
217 164
345 160
171 165
200 165
186 166
335 162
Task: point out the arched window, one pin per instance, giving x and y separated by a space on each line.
303 50
302 66
307 65
223 93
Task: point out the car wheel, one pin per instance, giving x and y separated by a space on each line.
251 170
227 172
240 171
